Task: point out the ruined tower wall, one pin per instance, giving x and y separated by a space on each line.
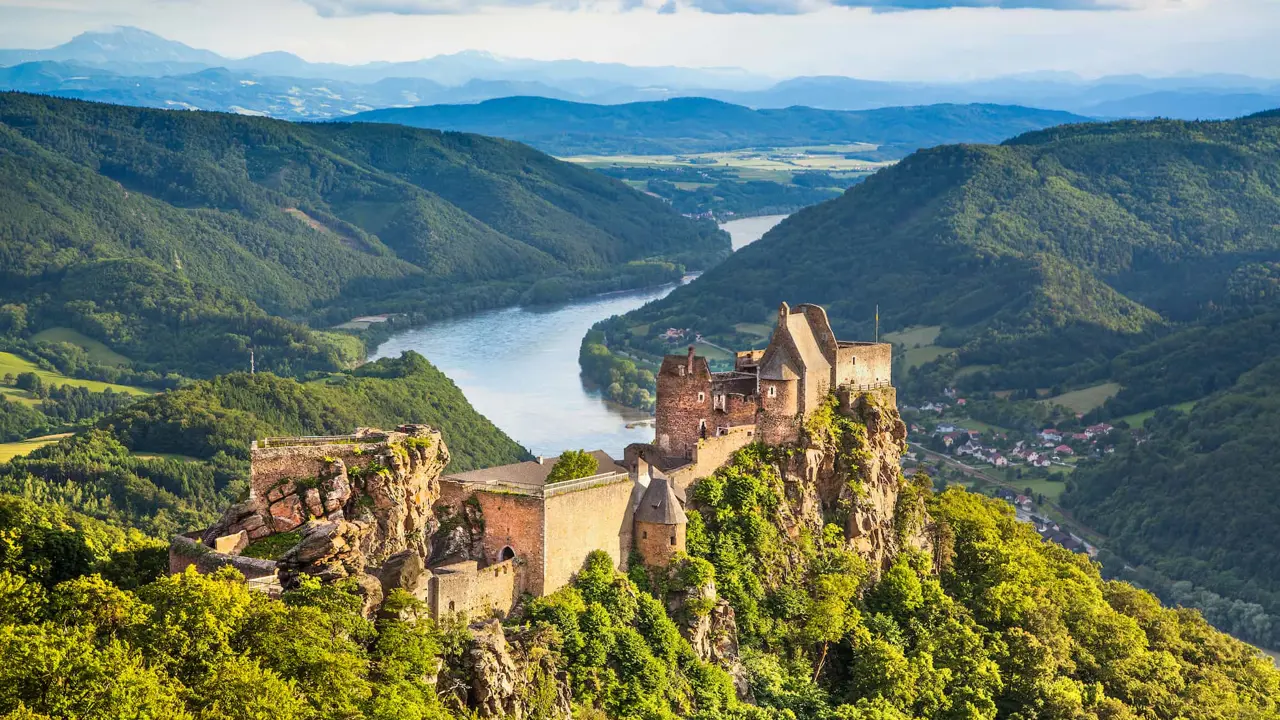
580 521
738 410
872 364
677 415
779 416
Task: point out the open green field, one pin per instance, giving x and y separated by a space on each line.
1137 420
917 356
1090 398
1051 489
164 456
968 370
712 352
758 329
776 164
11 364
969 423
9 451
97 352
914 337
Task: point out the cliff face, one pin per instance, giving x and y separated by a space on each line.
354 501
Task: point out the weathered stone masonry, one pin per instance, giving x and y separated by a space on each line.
376 506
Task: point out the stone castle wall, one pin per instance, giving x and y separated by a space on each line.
467 589
512 521
187 552
579 521
871 364
711 454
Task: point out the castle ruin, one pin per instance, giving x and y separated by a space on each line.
378 507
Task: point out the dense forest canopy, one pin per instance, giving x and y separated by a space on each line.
699 125
171 236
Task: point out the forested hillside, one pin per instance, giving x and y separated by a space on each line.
1194 501
1059 247
173 237
174 461
699 125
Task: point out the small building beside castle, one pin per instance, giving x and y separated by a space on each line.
378 506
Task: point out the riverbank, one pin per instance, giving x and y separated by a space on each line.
517 366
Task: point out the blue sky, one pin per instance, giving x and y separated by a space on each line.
884 39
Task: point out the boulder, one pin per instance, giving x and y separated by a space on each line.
370 589
328 550
286 514
404 570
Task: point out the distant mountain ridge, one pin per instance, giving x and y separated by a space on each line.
155 72
697 125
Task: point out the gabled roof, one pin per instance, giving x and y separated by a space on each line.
660 504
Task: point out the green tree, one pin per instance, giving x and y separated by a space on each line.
573 464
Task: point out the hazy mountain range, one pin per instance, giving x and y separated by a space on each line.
699 125
135 67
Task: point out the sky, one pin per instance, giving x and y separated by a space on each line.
877 39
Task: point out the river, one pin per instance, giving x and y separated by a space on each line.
519 366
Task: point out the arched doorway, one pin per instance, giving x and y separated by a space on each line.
506 554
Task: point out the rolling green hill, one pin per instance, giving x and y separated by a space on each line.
700 125
174 237
1057 248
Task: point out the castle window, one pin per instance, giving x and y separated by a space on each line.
702 397
506 554
644 534
673 539
450 606
773 391
681 371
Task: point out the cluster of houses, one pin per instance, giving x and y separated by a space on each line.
677 335
1047 447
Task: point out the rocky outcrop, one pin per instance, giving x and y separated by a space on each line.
356 500
328 550
854 478
497 678
459 537
713 632
403 571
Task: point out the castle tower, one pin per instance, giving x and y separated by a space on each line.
683 410
660 522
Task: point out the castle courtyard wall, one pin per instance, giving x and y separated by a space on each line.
579 521
466 589
711 454
510 520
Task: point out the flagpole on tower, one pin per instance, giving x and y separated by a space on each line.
877 322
